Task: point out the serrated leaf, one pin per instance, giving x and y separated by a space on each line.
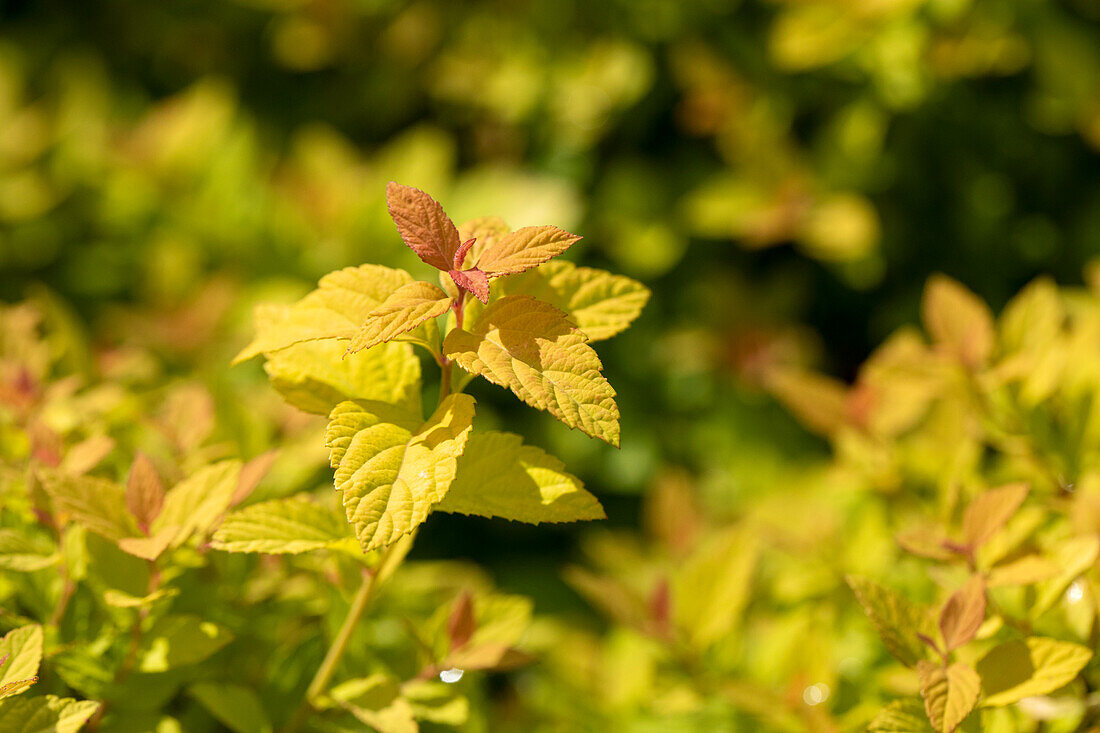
376 701
336 310
282 526
499 476
235 706
990 511
901 716
45 714
16 687
599 303
949 694
194 505
711 588
957 320
523 249
408 307
532 349
472 280
178 641
393 468
1035 666
963 613
144 491
423 225
897 620
315 377
21 650
23 554
96 503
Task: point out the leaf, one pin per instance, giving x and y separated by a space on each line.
408 307
957 320
472 280
87 454
901 716
529 347
1035 666
194 505
499 476
235 706
436 702
484 231
990 511
600 303
819 402
391 467
96 503
423 225
23 554
461 624
21 650
523 249
282 526
252 473
963 613
17 687
144 491
315 378
1022 571
897 620
336 310
711 589
1073 556
121 599
45 714
490 656
376 701
149 548
178 641
949 694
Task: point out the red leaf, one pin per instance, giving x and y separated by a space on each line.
474 281
423 225
462 623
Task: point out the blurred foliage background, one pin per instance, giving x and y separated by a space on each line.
784 174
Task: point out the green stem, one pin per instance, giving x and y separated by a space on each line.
335 653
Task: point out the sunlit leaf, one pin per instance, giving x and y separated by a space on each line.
44 714
281 526
423 225
1035 666
21 650
523 249
949 694
711 588
408 307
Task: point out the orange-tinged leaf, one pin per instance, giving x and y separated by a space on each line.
251 474
149 548
1022 571
461 624
949 694
532 349
958 321
819 402
963 613
144 491
524 248
989 512
485 230
423 225
408 307
474 280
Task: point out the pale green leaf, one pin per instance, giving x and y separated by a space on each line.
45 714
599 303
949 694
121 599
315 376
711 588
901 716
235 706
408 307
499 476
1035 666
436 702
21 650
194 505
281 526
376 701
897 620
532 349
177 641
96 503
24 554
393 468
523 249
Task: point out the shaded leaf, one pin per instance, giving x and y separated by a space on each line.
499 476
949 694
485 231
45 714
194 505
711 588
96 503
901 716
897 620
281 526
1035 666
177 641
461 624
376 701
235 706
529 347
408 307
144 491
23 554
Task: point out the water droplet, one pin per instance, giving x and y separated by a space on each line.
1075 592
452 675
815 694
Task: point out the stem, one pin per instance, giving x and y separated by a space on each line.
335 653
